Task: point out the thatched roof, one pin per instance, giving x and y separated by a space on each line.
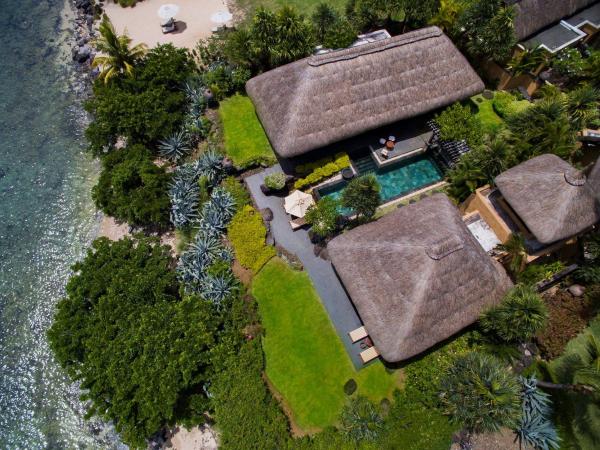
324 99
533 15
553 199
416 276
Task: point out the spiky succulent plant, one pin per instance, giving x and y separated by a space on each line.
217 288
535 429
175 146
211 165
184 195
199 255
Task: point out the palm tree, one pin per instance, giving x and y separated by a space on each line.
582 106
528 61
519 317
516 253
479 393
117 56
447 15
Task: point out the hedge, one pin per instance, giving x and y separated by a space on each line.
247 234
321 169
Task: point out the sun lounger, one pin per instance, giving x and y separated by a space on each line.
168 25
297 223
369 354
358 334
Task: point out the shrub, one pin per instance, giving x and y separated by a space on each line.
237 191
503 102
275 181
479 393
534 273
457 122
247 235
535 428
132 188
323 216
361 421
519 317
321 169
350 386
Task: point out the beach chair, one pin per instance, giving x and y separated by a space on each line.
369 354
358 334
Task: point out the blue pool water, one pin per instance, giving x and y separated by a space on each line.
396 180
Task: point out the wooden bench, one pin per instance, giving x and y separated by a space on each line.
369 354
358 334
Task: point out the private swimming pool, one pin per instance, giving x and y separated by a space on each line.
396 180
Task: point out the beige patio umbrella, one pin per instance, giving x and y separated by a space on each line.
297 203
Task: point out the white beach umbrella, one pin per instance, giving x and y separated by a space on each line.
221 17
168 11
297 203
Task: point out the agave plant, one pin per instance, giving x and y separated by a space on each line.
211 165
197 128
194 89
217 288
222 201
184 201
535 428
175 146
194 262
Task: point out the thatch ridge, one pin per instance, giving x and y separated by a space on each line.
323 99
417 276
532 16
552 198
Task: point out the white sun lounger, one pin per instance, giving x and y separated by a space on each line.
358 334
369 354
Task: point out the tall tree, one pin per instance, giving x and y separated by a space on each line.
485 29
479 393
519 317
362 195
323 19
117 57
140 352
516 253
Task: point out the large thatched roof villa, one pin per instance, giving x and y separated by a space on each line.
416 276
323 99
544 199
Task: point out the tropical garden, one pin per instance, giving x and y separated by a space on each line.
199 332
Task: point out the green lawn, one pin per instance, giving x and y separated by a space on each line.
305 359
304 6
245 139
490 121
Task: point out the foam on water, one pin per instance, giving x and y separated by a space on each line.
47 220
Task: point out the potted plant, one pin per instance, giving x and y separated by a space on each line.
274 183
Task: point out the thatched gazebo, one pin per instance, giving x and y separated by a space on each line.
320 100
417 276
553 199
532 16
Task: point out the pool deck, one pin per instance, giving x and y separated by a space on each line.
331 292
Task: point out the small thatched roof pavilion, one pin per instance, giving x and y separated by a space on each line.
532 16
417 276
323 99
552 198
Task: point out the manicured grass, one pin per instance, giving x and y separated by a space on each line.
490 121
245 139
304 6
305 358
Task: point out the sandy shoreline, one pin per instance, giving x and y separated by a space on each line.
111 229
143 24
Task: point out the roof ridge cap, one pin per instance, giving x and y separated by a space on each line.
374 47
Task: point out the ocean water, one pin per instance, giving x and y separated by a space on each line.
47 219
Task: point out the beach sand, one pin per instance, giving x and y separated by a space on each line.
111 229
195 439
143 24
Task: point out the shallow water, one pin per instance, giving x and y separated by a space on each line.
47 220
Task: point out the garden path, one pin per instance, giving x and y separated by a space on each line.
333 295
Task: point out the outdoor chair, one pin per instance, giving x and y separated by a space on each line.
297 223
369 354
358 334
168 25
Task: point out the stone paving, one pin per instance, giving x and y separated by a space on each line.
340 308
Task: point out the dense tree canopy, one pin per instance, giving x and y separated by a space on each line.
140 352
132 188
362 195
143 109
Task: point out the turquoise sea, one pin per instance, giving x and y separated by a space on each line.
47 220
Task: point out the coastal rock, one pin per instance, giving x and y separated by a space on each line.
82 54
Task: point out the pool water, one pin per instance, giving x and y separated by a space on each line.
395 180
